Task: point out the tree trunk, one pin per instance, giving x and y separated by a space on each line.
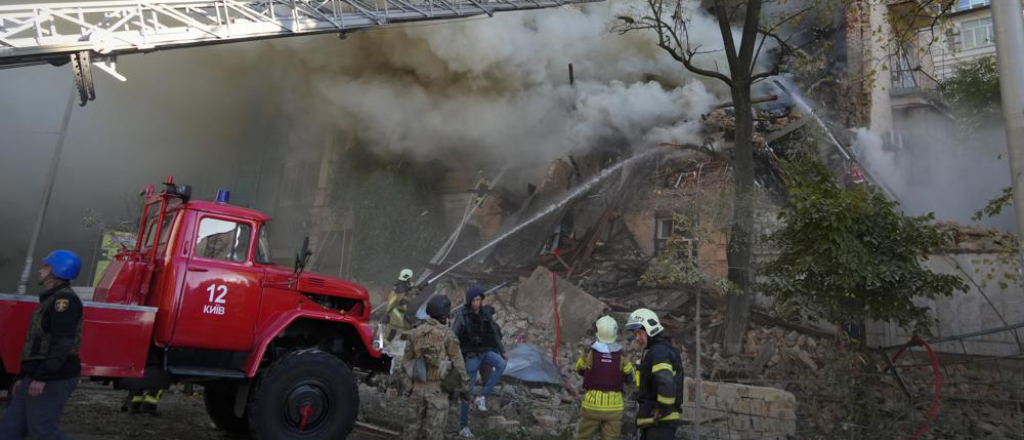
739 252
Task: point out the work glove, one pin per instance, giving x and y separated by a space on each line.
423 285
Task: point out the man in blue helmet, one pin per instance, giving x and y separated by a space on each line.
49 359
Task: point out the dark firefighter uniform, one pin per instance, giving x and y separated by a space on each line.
660 395
50 356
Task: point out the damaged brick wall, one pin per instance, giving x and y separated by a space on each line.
730 410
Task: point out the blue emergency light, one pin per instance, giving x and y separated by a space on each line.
223 196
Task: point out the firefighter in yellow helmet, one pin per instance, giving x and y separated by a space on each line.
659 378
398 304
605 371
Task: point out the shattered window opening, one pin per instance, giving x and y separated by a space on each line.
664 227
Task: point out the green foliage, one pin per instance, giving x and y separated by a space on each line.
992 268
849 256
973 91
995 206
673 268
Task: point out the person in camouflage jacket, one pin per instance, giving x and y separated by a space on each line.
431 354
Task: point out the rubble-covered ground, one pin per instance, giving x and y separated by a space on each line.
94 413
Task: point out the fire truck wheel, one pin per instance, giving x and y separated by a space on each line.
6 381
219 398
308 394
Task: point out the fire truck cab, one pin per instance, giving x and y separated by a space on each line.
199 299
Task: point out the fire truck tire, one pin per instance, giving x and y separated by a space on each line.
219 398
308 394
6 381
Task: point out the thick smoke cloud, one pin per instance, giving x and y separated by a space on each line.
941 169
491 92
498 89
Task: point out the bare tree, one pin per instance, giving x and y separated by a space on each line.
760 36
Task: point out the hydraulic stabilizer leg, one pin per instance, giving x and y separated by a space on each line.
81 65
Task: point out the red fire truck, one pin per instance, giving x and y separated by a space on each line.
198 300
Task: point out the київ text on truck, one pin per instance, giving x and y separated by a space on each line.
198 300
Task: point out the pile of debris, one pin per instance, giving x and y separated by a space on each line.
977 239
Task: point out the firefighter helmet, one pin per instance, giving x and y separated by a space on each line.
64 264
439 307
607 329
646 319
405 275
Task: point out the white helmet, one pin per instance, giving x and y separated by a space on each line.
644 318
607 329
405 275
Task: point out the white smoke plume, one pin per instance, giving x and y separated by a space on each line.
488 92
941 169
497 89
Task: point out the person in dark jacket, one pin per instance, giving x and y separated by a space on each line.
660 378
480 340
49 359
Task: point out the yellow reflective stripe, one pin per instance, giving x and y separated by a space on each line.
663 366
152 399
580 365
672 416
666 400
137 399
645 421
636 376
627 367
598 400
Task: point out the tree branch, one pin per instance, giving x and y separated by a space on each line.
771 30
751 25
726 29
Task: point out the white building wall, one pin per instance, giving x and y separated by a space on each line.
968 311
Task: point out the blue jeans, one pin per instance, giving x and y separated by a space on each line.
37 417
473 364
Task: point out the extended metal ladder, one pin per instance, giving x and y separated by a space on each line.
94 33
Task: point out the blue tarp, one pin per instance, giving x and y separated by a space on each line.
528 363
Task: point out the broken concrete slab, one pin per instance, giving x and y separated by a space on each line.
577 309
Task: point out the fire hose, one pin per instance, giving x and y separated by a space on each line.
937 399
558 321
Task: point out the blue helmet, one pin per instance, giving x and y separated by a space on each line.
64 264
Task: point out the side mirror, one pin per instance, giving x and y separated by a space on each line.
302 257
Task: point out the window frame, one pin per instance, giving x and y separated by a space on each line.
250 253
971 27
170 220
971 4
256 250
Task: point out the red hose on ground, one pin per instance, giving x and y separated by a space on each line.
934 411
558 321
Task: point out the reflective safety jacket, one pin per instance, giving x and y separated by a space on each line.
398 304
605 370
660 382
